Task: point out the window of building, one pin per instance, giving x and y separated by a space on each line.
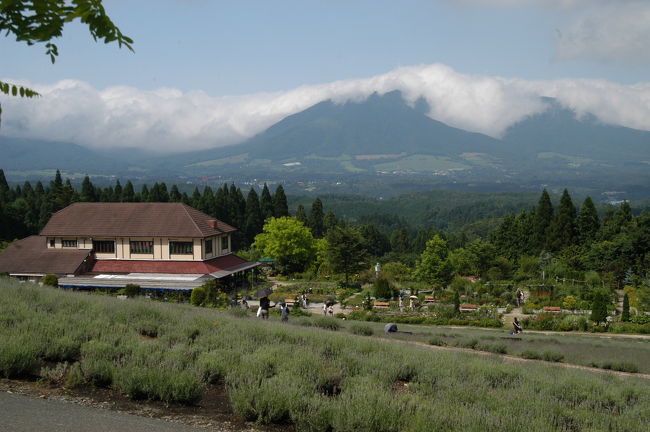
52 243
224 243
104 246
141 247
69 243
181 248
208 246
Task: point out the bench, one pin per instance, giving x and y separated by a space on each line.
429 299
465 307
552 309
290 302
382 305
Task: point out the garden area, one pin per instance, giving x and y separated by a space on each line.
317 373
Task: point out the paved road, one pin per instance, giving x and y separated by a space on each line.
19 413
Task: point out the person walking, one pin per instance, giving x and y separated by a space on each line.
244 305
401 304
265 304
284 314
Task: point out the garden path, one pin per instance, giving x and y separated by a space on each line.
518 359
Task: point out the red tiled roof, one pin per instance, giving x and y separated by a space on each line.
176 267
31 256
133 220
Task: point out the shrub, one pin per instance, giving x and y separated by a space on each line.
56 374
139 382
531 355
621 366
132 290
437 341
50 280
498 348
198 296
328 323
552 356
17 357
362 330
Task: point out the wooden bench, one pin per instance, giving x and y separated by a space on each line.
552 309
381 305
465 307
290 302
429 299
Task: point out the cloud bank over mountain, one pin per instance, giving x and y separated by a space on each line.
169 120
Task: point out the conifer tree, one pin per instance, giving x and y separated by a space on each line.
562 231
128 194
301 215
196 198
221 202
542 219
345 251
588 222
206 202
144 193
400 241
5 191
117 192
88 193
329 221
316 218
254 221
266 203
280 205
174 194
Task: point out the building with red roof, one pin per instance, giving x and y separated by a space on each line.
150 243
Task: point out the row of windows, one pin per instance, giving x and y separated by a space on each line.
145 247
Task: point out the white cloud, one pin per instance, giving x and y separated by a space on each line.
618 32
600 30
168 120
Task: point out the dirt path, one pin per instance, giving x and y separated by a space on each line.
516 359
569 333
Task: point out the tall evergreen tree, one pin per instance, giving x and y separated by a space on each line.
280 205
542 220
196 198
128 194
144 193
118 191
329 221
88 192
301 215
316 218
222 204
5 191
266 203
174 194
254 220
562 231
400 241
588 222
377 243
206 203
346 251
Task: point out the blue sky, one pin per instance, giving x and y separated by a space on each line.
215 53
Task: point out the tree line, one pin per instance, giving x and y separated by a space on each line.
24 210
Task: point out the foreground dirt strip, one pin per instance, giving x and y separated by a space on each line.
515 358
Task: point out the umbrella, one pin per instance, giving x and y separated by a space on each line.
330 303
414 297
263 292
247 297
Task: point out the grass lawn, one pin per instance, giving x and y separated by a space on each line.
309 377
